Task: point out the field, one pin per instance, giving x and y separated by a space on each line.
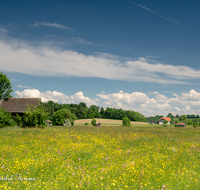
107 122
110 157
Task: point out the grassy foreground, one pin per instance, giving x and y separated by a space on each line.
109 157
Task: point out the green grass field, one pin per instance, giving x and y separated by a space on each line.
106 122
110 157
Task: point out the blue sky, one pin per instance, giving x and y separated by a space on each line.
141 55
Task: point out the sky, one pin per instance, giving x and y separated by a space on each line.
140 55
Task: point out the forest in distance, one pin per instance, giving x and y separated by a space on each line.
81 111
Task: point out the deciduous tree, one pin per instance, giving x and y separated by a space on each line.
5 86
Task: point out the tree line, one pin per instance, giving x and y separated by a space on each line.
81 111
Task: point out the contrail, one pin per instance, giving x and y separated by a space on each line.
158 14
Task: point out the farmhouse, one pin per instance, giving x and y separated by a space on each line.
180 124
160 121
18 105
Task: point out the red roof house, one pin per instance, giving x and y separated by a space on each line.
160 121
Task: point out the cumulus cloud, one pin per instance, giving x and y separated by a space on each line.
154 103
49 24
57 96
148 105
44 60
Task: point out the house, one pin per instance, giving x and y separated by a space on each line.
98 124
18 105
160 121
180 124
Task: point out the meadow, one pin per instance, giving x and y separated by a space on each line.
106 122
110 157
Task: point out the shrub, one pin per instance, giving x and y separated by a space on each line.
86 123
6 119
126 121
60 116
195 125
35 117
175 125
18 120
189 122
94 122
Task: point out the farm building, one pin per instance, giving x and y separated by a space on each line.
160 121
98 124
18 105
180 124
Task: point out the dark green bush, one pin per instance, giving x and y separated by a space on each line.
94 122
126 121
86 123
60 116
35 117
6 119
18 120
195 125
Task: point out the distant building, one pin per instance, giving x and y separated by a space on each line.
160 121
18 105
98 124
180 124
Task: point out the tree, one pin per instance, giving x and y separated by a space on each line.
102 111
126 121
94 122
189 122
183 118
165 123
171 116
60 116
35 116
5 86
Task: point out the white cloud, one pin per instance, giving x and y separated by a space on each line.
49 24
46 61
20 86
57 96
158 105
137 101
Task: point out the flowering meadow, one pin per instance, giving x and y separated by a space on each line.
112 157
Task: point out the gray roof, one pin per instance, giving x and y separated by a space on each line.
18 105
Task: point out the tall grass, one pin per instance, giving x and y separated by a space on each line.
86 157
